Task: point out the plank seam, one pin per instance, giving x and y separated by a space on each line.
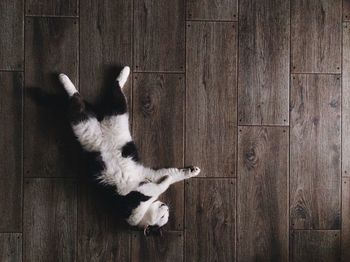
22 120
184 136
255 125
237 143
132 101
53 16
341 133
289 130
314 73
11 70
158 72
211 20
77 185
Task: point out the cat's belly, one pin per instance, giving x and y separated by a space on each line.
123 173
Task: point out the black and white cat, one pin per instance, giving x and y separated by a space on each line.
136 186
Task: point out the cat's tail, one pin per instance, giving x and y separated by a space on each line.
67 84
123 76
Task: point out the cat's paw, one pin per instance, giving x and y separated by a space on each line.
191 171
123 76
67 84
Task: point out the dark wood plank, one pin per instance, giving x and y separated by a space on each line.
11 35
210 219
51 48
169 247
345 228
212 10
263 78
315 245
211 97
50 219
101 235
346 10
10 247
158 126
52 7
346 101
315 137
316 36
105 44
159 35
262 205
11 86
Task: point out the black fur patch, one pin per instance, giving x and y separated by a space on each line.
132 201
161 180
115 102
130 150
77 109
143 183
123 205
95 163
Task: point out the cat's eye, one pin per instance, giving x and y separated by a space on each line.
162 216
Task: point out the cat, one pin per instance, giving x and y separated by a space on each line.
135 186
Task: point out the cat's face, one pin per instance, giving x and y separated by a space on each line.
161 213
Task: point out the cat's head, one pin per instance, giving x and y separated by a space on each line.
156 216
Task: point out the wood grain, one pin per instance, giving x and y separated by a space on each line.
52 7
212 10
263 78
315 137
316 36
159 35
11 35
158 120
211 98
51 48
101 235
50 219
10 247
11 86
105 44
262 205
167 248
346 101
315 245
345 227
346 10
210 219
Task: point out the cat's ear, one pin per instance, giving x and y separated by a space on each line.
146 231
153 230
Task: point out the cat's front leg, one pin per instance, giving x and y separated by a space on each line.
177 174
166 177
185 173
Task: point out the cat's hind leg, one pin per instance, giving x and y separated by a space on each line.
115 101
83 121
123 76
115 123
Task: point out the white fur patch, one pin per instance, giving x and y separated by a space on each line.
67 84
89 134
123 76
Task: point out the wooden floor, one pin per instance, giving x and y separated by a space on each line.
256 93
